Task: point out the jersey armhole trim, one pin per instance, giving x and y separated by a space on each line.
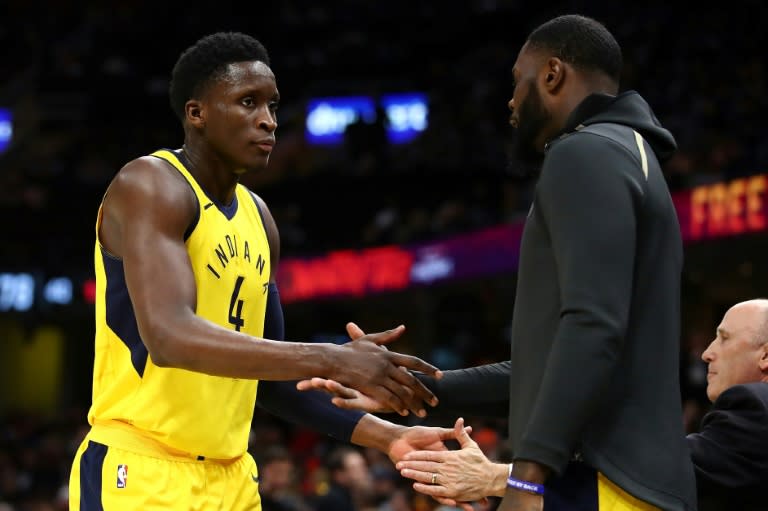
191 227
258 208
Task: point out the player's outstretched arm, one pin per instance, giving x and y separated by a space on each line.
479 391
349 398
145 214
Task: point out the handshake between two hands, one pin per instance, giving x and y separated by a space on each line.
453 478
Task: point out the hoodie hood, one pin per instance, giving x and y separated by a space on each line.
629 109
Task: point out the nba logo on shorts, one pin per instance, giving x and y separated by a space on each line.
122 476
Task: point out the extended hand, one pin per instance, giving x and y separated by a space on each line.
368 367
421 438
348 398
464 475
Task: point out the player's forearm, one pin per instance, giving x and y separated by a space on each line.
311 409
196 344
374 432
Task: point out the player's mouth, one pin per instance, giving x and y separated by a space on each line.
266 144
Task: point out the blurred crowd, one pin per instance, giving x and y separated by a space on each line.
89 93
298 469
88 89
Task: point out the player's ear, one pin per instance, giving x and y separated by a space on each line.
194 113
553 74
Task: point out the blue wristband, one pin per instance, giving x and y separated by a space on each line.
517 484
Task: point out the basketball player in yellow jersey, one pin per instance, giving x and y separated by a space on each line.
188 317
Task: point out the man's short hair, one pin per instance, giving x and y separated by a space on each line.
206 60
583 42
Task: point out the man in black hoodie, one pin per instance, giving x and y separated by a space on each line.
592 384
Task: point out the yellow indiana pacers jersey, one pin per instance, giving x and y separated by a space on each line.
192 412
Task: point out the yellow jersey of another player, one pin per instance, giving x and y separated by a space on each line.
192 412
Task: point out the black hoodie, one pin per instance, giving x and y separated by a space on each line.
593 372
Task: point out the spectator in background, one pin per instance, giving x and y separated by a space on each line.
350 486
366 142
401 499
730 451
386 481
278 475
386 478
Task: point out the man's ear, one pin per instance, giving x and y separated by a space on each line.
194 113
554 74
763 362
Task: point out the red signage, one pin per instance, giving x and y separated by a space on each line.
724 209
353 273
345 272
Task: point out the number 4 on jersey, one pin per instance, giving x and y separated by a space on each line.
236 318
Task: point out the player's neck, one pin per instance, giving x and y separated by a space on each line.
211 175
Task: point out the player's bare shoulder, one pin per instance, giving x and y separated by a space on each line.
151 178
146 191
